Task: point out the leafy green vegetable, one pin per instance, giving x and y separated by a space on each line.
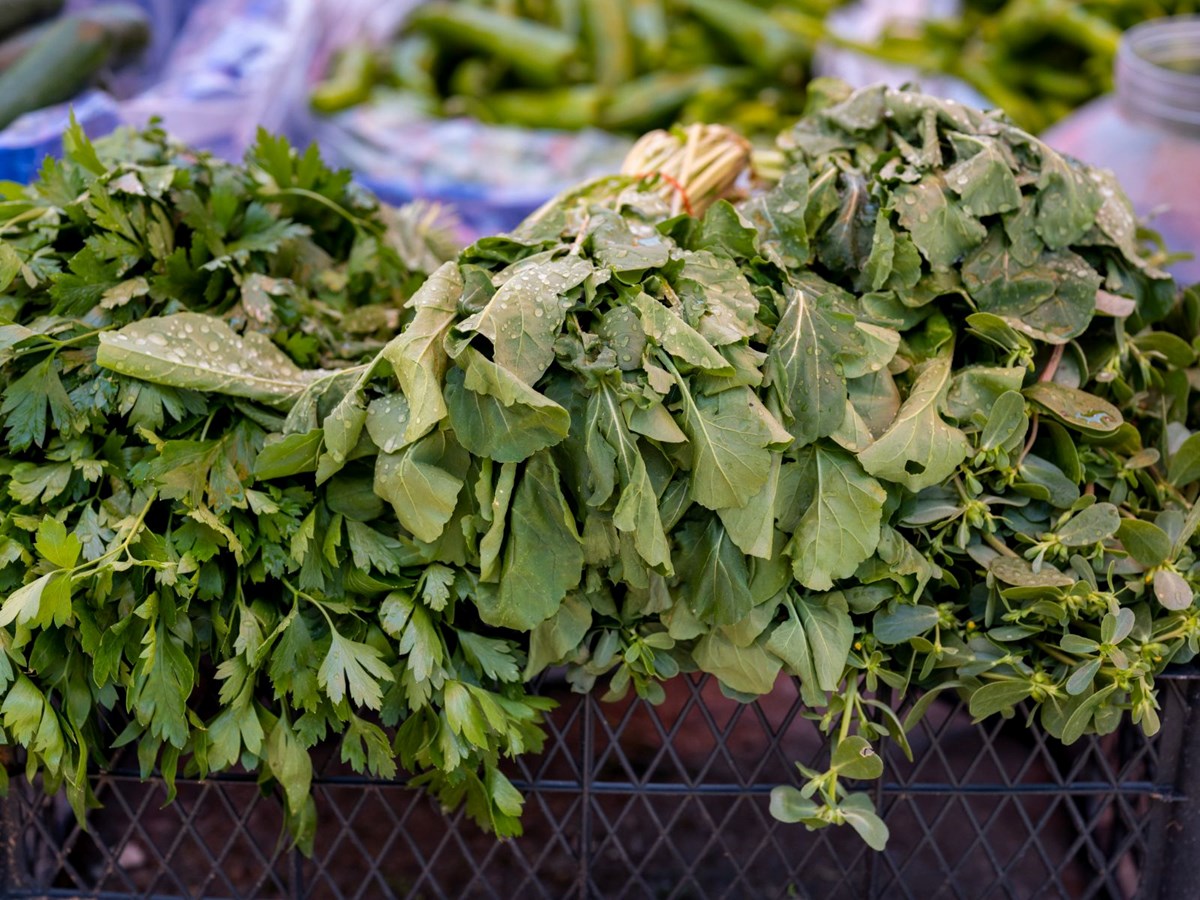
833 442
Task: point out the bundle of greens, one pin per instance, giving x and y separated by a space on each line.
900 420
135 556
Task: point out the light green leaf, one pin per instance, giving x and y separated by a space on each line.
421 490
202 353
717 297
56 544
543 555
804 365
667 329
418 355
750 670
788 805
729 437
1172 590
919 449
355 665
842 513
856 758
859 813
496 415
524 316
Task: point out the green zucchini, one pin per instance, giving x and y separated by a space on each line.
16 14
61 64
126 24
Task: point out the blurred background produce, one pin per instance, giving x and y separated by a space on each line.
1148 133
1037 59
621 65
46 60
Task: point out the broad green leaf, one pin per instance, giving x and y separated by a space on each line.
552 640
839 527
524 316
637 509
290 763
716 583
940 227
668 329
1184 467
804 366
202 353
779 214
729 437
830 633
1068 200
789 641
495 414
919 449
387 422
1079 720
1081 679
418 355
1018 572
422 482
788 805
289 454
1005 419
749 670
998 696
984 180
56 544
717 298
1052 299
1075 408
543 555
748 527
859 813
856 758
615 245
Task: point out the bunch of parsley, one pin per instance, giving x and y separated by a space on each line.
140 561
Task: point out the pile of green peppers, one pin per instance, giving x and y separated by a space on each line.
624 66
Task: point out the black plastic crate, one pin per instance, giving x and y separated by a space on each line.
630 800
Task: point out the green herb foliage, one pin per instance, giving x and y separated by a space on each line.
903 420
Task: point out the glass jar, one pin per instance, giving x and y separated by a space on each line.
1148 132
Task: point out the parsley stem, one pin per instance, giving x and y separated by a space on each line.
324 201
98 563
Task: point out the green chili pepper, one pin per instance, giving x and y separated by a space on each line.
538 52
